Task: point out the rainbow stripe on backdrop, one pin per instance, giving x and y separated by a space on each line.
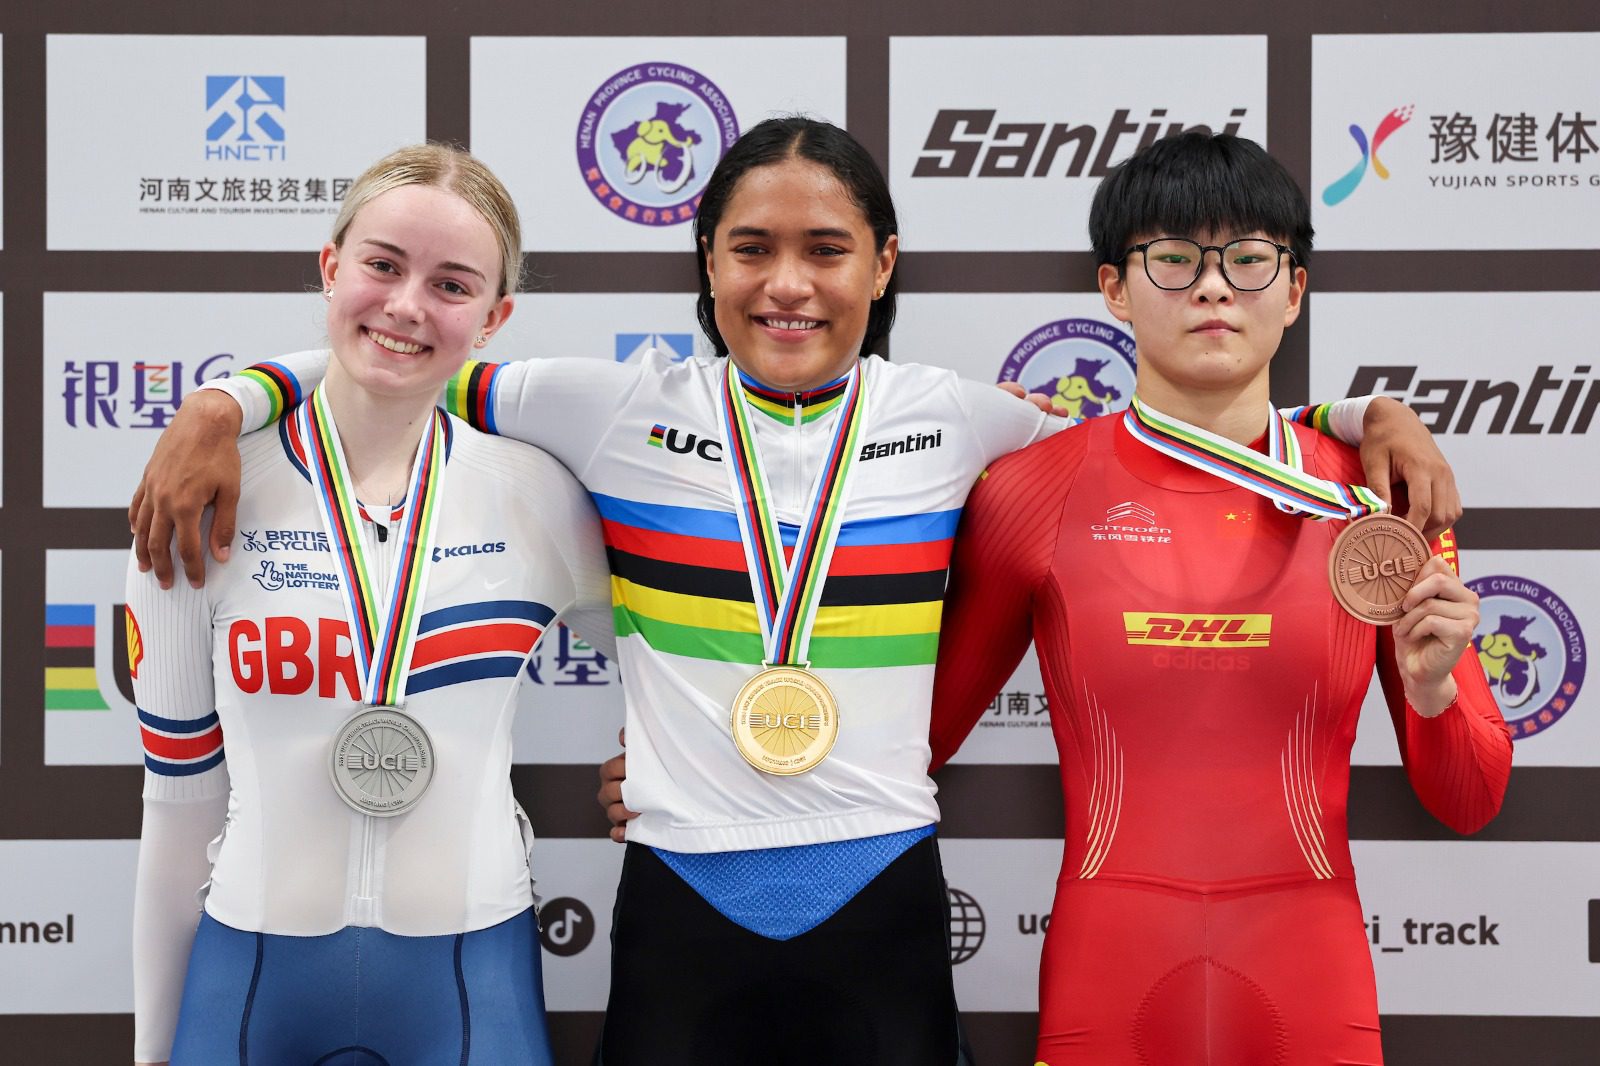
1276 475
70 683
679 581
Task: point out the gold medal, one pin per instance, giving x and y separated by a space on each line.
785 721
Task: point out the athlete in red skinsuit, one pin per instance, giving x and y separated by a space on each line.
1204 685
1207 909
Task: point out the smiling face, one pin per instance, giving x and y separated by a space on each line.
415 281
1207 338
794 267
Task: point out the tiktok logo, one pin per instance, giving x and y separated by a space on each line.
566 926
1346 185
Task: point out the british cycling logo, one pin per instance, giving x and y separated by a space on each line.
1531 648
245 117
303 540
1084 365
1340 190
649 138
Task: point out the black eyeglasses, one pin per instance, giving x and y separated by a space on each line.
1174 263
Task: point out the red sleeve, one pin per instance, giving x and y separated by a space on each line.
1002 554
1460 760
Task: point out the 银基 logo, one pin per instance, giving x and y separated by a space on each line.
649 138
245 117
1338 191
1531 648
1085 366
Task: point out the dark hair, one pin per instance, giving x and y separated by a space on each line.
1198 182
816 141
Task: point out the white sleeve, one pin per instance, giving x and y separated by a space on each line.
185 793
561 406
1003 423
173 867
567 513
264 391
1347 419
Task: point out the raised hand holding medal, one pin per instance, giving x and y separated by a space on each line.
1375 559
784 719
381 759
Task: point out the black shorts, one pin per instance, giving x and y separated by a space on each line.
870 986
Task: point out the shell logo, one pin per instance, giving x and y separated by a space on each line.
135 642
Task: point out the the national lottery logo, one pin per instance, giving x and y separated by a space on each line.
1531 648
649 138
1341 189
1084 365
140 394
245 117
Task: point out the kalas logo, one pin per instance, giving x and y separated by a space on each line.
960 140
1084 365
245 117
649 138
1531 649
1339 190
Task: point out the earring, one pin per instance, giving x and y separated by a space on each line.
327 294
878 295
480 341
711 293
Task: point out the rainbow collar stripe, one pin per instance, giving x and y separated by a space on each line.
1277 475
383 634
799 407
787 594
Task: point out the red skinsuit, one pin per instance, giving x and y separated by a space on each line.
1206 911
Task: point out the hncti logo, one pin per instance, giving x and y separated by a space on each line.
245 117
967 926
1339 190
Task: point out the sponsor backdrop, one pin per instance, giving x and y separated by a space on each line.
169 176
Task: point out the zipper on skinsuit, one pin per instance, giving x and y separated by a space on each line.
363 907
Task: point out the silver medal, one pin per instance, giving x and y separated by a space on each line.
381 761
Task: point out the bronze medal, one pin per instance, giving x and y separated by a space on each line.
1374 563
785 721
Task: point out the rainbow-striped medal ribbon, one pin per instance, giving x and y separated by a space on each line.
382 759
1375 559
784 719
1278 475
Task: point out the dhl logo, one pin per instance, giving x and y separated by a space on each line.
1242 630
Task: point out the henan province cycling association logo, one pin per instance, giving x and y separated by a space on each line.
1341 189
1084 365
1531 649
649 138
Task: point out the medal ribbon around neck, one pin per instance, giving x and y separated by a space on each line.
1277 475
382 634
787 594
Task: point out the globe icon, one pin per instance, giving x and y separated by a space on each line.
966 926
